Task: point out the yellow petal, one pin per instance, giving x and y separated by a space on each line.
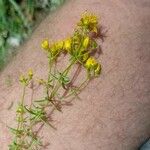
67 44
90 63
86 42
95 29
98 69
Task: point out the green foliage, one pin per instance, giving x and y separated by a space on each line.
17 18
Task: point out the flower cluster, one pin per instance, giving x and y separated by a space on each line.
88 21
80 45
54 49
26 79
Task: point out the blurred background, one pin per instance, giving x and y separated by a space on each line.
18 18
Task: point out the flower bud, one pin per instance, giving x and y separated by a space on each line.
45 44
30 74
98 70
67 44
86 42
60 45
20 110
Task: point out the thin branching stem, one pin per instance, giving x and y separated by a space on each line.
57 81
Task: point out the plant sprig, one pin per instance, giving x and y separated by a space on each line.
79 47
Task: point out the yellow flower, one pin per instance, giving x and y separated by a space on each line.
86 42
85 21
67 44
56 48
59 45
88 20
91 63
45 44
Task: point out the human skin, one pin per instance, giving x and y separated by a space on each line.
114 110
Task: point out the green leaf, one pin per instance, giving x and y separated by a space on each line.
42 100
30 111
17 132
94 44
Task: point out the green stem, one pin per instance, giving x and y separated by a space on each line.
20 124
78 89
58 85
23 95
22 105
